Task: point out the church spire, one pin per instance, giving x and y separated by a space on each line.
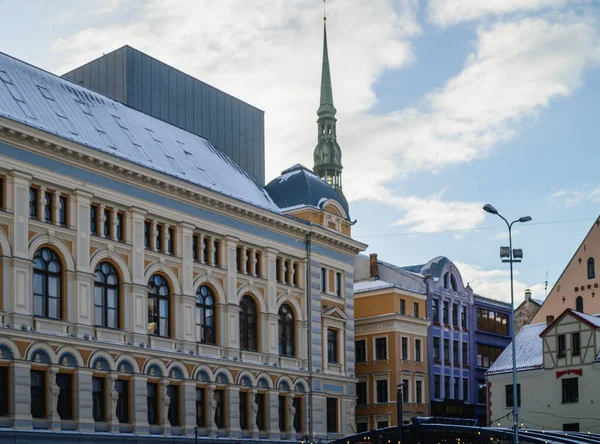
327 155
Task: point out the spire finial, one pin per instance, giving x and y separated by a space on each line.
324 10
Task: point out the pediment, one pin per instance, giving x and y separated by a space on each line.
335 313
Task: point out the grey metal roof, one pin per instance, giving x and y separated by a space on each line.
434 267
530 353
41 100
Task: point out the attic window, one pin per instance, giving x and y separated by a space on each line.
64 120
132 138
84 108
194 162
453 283
170 158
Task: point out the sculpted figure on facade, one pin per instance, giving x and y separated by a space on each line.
254 410
55 389
351 417
114 396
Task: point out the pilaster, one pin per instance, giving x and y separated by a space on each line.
83 403
139 404
232 399
273 414
138 320
188 404
21 399
186 312
271 271
83 305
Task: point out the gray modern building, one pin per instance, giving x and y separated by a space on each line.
157 89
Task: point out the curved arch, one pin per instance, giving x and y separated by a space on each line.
255 294
5 249
101 354
225 372
172 278
282 380
155 361
116 260
58 245
125 358
6 342
72 351
247 374
296 308
338 207
215 286
300 385
33 349
264 377
173 366
203 373
579 304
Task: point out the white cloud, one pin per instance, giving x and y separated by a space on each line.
573 197
451 12
503 235
495 283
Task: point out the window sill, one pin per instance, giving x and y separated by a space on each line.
110 334
160 342
252 356
48 325
570 402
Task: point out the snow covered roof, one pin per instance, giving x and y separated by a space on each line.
49 103
434 267
530 352
371 285
593 320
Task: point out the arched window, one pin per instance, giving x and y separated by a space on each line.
47 283
591 268
205 315
248 324
286 331
106 296
579 304
453 283
158 306
446 280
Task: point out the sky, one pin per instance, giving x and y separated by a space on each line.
443 106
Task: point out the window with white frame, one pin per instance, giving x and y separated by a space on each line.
381 390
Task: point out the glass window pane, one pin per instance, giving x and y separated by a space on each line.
38 283
99 316
112 280
113 319
53 286
163 308
38 305
53 308
164 327
54 267
112 299
98 295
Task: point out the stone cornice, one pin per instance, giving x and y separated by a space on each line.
122 170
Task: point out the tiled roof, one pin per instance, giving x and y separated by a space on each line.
46 102
529 351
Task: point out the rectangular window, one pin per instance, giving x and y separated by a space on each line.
107 222
465 353
332 415
435 310
220 409
487 355
33 208
405 391
98 406
147 233
561 346
509 395
65 398
416 309
48 206
260 415
152 402
173 413
447 387
455 351
570 390
383 424
361 427
332 353
456 383
380 349
445 313
465 390
282 414
446 350
360 348
436 348
402 306
200 416
405 349
419 392
455 315
361 393
297 403
463 317
4 391
436 387
159 237
195 239
492 322
244 410
63 211
120 226
576 344
418 350
382 390
94 219
338 284
122 388
571 427
171 241
481 392
323 280
38 394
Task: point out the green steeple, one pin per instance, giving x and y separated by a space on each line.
327 155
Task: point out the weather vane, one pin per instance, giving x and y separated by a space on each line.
324 10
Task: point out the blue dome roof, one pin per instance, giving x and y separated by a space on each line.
298 186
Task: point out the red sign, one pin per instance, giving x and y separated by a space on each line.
578 371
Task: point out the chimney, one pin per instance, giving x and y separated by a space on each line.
527 295
549 319
373 267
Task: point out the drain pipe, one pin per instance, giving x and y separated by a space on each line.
309 335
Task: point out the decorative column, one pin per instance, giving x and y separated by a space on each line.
20 372
212 406
291 414
56 208
139 404
244 259
202 248
289 272
113 398
253 262
53 391
102 220
292 273
41 194
153 235
113 224
165 401
82 388
272 414
282 271
211 251
232 399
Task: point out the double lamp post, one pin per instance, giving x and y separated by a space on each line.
507 254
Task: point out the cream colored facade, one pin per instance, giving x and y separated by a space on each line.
543 402
236 250
580 279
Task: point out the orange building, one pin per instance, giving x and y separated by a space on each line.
390 344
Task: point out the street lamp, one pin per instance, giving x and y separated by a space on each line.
511 256
399 413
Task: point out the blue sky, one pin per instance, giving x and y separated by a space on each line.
443 105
